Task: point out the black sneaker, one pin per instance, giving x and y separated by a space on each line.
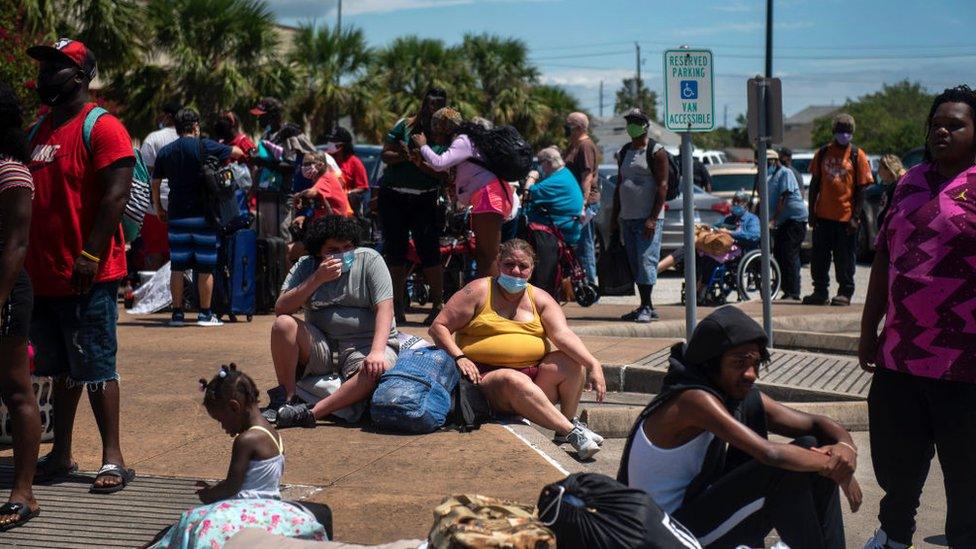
816 299
631 316
295 415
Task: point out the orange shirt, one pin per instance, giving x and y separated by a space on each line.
330 190
837 181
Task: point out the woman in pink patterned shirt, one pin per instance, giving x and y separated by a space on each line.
923 395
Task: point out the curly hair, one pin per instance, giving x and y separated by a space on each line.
229 384
959 94
13 140
328 228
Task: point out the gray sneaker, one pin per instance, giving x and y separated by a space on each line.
645 315
583 442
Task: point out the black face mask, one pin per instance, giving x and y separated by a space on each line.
58 92
568 130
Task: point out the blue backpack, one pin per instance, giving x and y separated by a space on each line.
415 395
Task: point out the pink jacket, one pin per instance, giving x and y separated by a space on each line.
470 176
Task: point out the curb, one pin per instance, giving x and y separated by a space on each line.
616 422
845 343
634 379
837 323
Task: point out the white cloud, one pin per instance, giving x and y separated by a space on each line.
587 78
737 7
717 29
308 9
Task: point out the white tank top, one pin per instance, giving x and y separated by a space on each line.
666 473
263 476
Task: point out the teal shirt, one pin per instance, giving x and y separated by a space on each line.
406 175
560 194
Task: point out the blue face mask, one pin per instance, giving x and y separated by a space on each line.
347 258
738 210
512 284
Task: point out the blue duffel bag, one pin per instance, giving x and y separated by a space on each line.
415 395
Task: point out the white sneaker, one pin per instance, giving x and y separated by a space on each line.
583 442
562 439
209 321
880 541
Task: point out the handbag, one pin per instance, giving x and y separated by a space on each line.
219 189
613 269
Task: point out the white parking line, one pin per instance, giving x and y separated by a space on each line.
538 450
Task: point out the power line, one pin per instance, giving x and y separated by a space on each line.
790 57
888 47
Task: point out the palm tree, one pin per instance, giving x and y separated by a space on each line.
559 104
110 28
210 54
322 58
399 75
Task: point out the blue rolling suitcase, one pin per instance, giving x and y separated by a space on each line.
235 279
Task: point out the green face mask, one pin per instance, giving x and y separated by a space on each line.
636 130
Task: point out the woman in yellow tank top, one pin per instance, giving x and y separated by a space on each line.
499 330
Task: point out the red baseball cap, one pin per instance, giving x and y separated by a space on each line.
266 105
66 49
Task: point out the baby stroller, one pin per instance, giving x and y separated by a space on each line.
570 281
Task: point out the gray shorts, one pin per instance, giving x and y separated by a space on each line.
348 360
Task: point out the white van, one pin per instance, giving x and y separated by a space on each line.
709 157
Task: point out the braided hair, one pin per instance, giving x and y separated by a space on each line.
959 94
229 384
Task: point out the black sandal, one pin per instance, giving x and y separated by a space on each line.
111 469
23 512
47 470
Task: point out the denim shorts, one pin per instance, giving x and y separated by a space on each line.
642 253
74 336
15 313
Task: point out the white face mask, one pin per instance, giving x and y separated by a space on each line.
331 147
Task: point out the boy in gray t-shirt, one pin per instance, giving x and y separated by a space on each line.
347 296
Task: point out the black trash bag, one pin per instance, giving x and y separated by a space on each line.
613 269
588 510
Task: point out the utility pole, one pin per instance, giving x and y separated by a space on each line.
769 38
601 98
725 119
637 84
339 19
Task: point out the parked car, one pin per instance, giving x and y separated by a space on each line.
709 157
801 161
913 157
732 177
709 209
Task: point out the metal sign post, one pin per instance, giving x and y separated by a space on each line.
765 127
689 106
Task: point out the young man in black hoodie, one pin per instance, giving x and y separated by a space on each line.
701 448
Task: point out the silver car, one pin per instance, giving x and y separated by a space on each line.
709 209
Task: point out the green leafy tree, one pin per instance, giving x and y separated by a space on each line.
325 61
721 138
890 120
16 68
209 54
625 98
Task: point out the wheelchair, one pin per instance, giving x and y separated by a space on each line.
741 275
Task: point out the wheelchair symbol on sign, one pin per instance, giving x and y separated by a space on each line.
689 89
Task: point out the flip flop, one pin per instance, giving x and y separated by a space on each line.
23 512
47 470
111 469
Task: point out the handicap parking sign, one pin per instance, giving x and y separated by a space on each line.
689 89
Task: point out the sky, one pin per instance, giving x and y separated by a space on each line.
825 51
